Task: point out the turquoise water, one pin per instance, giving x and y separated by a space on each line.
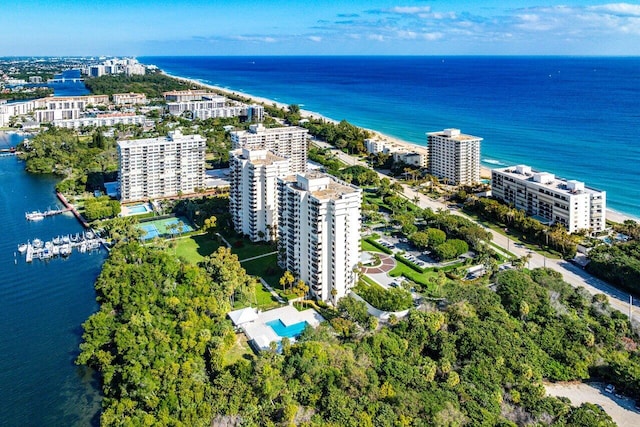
42 307
283 331
137 209
576 117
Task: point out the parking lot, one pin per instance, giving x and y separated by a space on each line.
411 253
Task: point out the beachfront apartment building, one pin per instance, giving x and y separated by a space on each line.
107 119
549 199
454 157
214 107
319 232
253 196
409 154
187 95
161 167
129 98
288 141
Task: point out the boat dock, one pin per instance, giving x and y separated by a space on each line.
61 246
37 215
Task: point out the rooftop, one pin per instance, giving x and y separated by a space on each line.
547 180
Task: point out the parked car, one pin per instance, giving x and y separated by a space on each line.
610 388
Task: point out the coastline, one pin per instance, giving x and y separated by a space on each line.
485 172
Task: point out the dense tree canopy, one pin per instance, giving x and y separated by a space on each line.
160 342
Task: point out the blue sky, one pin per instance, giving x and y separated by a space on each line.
313 27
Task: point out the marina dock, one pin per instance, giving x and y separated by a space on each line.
61 246
37 215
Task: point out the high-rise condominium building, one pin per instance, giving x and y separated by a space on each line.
253 198
454 157
550 199
288 141
319 232
161 167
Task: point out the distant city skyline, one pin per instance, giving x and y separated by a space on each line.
276 27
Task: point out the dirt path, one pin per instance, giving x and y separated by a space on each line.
620 409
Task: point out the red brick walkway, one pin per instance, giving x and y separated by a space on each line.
387 264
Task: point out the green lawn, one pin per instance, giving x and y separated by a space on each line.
248 249
408 272
265 267
264 300
239 350
195 248
368 247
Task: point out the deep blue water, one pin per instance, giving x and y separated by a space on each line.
576 117
42 307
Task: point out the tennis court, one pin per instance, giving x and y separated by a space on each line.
165 227
150 230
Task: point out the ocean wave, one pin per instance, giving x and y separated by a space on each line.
494 162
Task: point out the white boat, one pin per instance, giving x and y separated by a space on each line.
37 243
65 250
22 248
34 216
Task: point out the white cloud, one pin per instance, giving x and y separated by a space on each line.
624 9
376 37
403 34
258 39
410 10
315 39
432 36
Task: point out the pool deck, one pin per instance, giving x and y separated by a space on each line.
130 210
262 334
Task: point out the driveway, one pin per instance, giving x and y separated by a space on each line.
620 409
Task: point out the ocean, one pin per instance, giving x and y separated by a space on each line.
42 306
576 117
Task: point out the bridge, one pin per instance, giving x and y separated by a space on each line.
65 80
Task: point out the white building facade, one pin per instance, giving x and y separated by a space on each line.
161 167
111 119
214 107
289 141
45 110
253 196
454 157
129 98
552 200
319 233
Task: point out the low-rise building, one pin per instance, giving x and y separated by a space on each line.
108 119
129 98
409 154
187 95
550 199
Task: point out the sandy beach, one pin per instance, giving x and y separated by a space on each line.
485 172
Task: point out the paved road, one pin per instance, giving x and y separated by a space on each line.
571 273
621 409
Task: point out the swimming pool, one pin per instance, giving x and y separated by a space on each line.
290 331
137 209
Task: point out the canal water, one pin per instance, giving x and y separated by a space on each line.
42 307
